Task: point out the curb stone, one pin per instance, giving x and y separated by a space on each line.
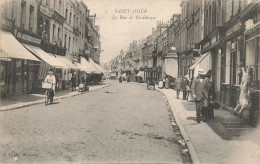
14 106
192 150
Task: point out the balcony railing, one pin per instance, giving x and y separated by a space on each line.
54 49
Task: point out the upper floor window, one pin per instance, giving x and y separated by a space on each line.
74 19
31 17
66 14
60 6
70 18
23 14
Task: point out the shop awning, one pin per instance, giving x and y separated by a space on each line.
67 62
87 66
140 74
198 61
79 66
101 69
47 57
93 65
12 48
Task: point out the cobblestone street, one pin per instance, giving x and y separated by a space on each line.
121 123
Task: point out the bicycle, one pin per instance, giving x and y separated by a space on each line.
48 86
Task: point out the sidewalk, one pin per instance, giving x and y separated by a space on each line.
32 99
224 139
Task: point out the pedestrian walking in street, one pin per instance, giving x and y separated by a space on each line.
178 86
189 96
73 82
185 86
128 79
160 86
167 82
50 78
200 92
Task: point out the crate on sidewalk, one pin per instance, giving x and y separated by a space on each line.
46 85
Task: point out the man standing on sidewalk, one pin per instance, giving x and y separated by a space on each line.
200 88
73 82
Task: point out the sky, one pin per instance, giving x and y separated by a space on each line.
118 29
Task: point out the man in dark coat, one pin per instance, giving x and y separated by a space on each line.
200 89
73 82
184 87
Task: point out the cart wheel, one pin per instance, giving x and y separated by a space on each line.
46 98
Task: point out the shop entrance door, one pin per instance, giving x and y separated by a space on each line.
233 65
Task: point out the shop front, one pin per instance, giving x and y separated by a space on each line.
233 59
252 60
17 66
151 73
48 61
212 46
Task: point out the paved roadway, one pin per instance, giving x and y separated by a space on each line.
121 123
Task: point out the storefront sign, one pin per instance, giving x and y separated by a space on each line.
58 17
46 10
206 45
233 29
28 38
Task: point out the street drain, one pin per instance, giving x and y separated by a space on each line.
108 92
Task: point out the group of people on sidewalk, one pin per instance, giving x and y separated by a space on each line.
203 92
200 89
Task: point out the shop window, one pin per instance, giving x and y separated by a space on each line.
23 14
218 70
228 62
31 18
250 55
